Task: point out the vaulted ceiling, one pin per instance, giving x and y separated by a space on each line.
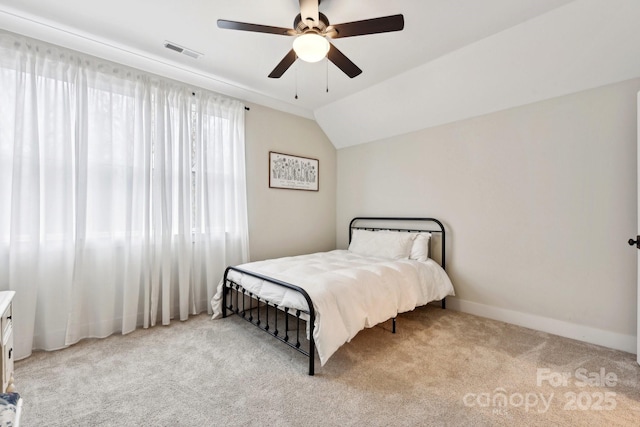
454 59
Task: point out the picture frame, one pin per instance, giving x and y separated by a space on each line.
291 172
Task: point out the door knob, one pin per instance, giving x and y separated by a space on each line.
635 242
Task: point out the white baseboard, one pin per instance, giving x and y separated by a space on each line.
574 331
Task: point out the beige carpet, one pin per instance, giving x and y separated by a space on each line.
441 368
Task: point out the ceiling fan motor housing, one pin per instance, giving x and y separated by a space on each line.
301 27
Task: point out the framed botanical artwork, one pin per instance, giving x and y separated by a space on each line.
293 172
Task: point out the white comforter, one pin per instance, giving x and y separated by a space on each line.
349 291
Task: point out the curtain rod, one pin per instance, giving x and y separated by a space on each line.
246 108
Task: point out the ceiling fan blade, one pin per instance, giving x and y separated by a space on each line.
309 12
384 24
342 62
284 65
257 28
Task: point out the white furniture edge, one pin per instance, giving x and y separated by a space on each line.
18 413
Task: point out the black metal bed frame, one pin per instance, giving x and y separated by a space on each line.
247 303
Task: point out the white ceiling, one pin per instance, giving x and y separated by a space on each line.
447 46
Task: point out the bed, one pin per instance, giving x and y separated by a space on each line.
318 302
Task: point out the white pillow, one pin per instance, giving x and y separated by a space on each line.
420 248
383 244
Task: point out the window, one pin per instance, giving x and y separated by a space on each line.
123 194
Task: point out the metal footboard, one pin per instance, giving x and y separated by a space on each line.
266 315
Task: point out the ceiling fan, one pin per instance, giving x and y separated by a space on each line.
312 31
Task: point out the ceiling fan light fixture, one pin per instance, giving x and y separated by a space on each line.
311 47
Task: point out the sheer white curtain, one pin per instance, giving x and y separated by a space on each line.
122 195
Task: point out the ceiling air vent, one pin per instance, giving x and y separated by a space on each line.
181 49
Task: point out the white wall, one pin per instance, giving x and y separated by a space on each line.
288 222
539 202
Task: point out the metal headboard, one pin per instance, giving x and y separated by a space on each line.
412 225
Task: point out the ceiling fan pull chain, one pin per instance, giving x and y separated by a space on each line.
296 97
327 64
